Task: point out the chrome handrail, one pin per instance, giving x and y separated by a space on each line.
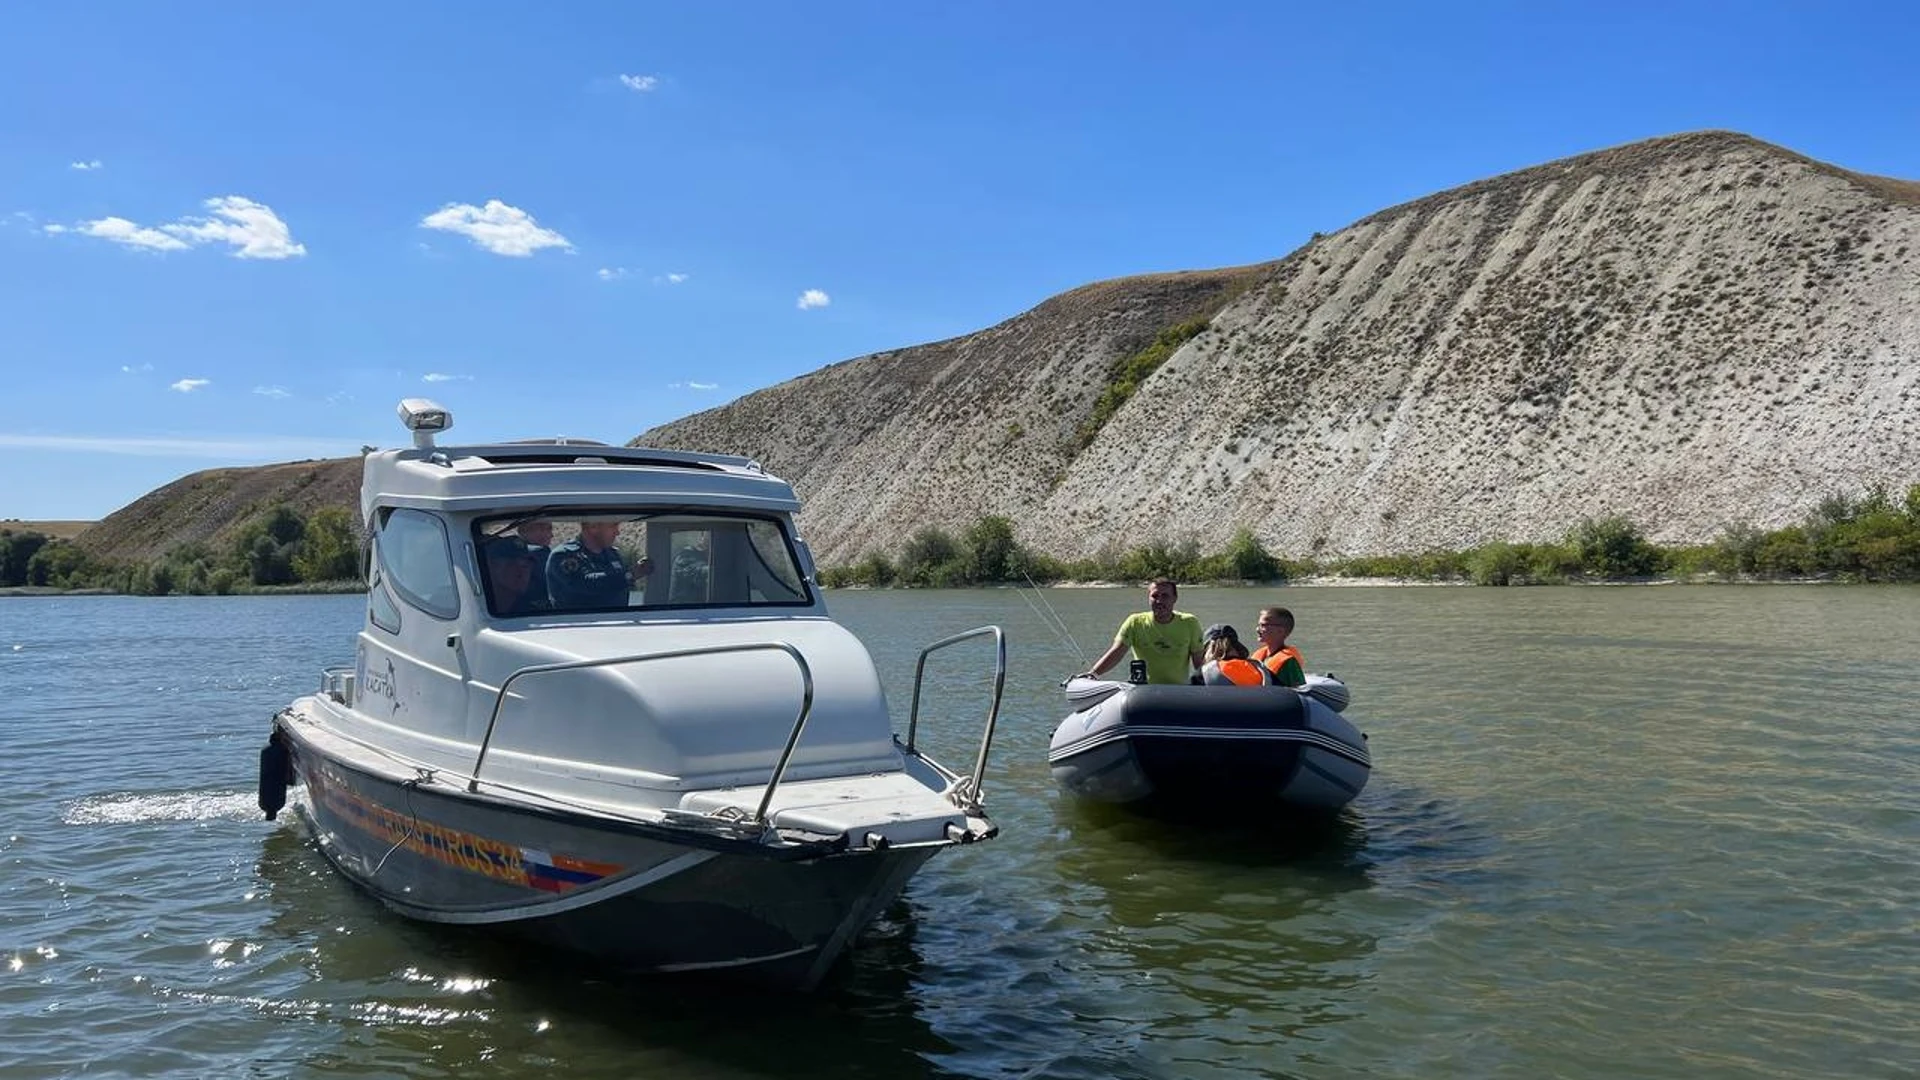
970 786
786 752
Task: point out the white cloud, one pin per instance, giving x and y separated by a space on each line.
611 273
501 229
251 227
121 231
440 376
813 298
129 369
669 279
640 84
272 391
188 386
699 385
87 166
264 448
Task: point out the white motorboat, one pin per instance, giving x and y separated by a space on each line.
694 771
1180 747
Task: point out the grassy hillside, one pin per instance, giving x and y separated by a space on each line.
210 507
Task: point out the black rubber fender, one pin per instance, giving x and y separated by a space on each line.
276 768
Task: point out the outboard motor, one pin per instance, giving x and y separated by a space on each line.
276 765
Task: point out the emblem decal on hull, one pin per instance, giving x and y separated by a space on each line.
375 683
497 859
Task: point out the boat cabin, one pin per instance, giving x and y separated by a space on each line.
666 591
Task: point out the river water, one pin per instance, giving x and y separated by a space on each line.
1611 832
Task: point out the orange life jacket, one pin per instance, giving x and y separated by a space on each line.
1236 672
1275 661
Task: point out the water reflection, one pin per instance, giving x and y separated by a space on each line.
490 1006
1247 837
1227 925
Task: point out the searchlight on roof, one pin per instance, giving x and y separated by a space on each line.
423 418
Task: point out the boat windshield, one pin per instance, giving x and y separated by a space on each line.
637 558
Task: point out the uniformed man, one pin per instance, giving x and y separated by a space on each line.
587 571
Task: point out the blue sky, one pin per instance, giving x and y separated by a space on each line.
233 234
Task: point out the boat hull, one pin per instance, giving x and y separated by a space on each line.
624 894
1206 745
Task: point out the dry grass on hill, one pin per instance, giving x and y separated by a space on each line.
59 530
209 507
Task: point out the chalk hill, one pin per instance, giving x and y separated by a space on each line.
1694 331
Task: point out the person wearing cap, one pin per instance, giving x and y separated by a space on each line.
1226 661
538 535
510 577
1167 641
1289 668
587 571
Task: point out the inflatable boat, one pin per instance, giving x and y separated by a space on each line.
1131 743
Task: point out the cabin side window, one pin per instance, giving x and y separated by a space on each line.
414 556
776 577
381 610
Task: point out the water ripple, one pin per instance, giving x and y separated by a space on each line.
1608 834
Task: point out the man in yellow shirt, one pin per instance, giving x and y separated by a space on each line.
1167 640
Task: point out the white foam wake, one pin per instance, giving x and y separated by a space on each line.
126 808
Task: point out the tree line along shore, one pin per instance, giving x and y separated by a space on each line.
1873 537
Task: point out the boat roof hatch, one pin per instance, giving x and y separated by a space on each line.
555 472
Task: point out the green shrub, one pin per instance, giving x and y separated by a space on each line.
1612 547
1784 553
1553 562
264 546
1160 559
990 550
873 569
60 565
1248 560
931 558
16 550
1871 538
328 548
1497 563
1736 552
1127 375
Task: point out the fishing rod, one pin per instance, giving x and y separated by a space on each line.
1049 617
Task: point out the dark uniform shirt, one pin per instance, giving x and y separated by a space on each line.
529 603
578 578
536 598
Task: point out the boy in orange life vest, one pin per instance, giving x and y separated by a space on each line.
1288 666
